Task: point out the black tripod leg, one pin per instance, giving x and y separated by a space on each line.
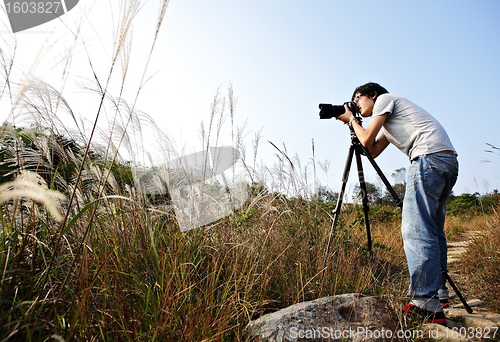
345 177
366 207
388 185
444 271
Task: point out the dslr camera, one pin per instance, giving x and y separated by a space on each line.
328 111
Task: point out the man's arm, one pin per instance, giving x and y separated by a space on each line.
367 136
378 146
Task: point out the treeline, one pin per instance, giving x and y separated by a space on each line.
56 159
463 204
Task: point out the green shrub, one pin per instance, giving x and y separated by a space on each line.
471 204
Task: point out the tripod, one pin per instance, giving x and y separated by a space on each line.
357 149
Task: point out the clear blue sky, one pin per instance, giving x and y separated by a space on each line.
283 58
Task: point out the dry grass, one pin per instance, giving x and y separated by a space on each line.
133 276
480 265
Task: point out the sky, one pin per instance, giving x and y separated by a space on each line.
283 58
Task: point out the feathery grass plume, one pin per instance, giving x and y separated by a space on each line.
289 176
31 185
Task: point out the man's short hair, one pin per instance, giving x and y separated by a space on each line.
370 89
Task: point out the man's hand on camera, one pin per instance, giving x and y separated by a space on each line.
346 117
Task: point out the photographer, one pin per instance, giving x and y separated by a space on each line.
433 172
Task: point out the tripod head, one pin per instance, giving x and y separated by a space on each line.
354 138
328 111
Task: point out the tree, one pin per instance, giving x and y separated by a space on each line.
373 193
399 186
326 195
399 177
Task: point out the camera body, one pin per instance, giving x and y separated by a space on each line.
328 111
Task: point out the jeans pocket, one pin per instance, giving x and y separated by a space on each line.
434 181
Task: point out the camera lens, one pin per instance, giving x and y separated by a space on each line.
328 111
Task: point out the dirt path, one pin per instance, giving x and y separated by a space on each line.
481 324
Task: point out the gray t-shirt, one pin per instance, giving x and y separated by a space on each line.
410 128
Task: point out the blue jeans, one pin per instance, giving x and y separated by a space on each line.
430 180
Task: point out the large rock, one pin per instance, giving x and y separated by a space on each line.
348 317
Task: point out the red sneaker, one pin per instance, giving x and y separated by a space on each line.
427 316
445 303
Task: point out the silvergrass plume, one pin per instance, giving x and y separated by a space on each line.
30 185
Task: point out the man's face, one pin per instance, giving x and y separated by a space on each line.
365 104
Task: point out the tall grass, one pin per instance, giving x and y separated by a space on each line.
135 277
480 265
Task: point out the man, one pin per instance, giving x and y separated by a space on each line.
433 172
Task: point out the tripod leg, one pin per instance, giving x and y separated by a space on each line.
345 177
366 207
388 185
444 271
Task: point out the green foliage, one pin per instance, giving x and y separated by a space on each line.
385 213
373 193
381 195
326 195
471 204
464 203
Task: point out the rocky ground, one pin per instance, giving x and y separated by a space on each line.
346 315
481 324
